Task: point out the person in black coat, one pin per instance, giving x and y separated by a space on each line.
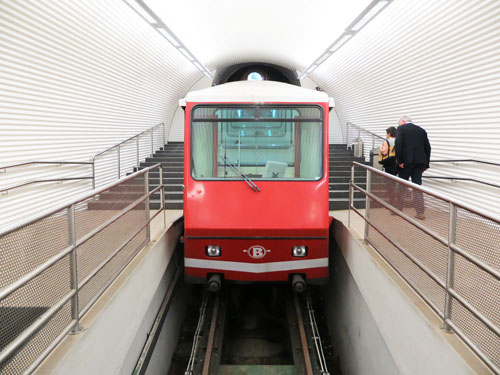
413 153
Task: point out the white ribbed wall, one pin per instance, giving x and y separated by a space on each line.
438 61
75 78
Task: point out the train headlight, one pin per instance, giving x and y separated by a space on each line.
299 251
213 251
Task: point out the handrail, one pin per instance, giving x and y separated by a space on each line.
117 146
3 168
431 192
449 241
363 129
7 189
360 129
81 198
465 160
67 257
462 179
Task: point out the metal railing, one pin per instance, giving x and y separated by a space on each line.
56 265
3 169
449 258
119 146
453 178
362 134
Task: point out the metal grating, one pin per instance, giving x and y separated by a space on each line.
419 250
107 229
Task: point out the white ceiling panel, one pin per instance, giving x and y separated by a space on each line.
291 33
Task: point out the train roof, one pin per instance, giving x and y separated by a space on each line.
256 92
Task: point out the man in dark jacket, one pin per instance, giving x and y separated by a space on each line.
413 153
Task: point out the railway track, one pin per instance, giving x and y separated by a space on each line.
242 331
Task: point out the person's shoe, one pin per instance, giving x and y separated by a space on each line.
420 216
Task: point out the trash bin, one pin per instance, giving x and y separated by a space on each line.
374 155
358 147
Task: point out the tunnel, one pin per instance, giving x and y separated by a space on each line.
102 182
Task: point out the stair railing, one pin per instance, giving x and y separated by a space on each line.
3 169
362 135
148 133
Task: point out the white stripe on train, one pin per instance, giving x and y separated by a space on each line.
256 267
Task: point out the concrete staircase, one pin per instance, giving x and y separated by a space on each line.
340 173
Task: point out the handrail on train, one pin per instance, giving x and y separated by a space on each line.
485 219
74 235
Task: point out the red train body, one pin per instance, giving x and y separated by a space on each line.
256 183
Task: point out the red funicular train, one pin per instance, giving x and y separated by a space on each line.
256 184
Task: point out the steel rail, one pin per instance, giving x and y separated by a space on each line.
3 168
465 160
303 339
316 336
462 179
431 193
7 189
82 198
211 336
197 335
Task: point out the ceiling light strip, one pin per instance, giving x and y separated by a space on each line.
154 21
374 8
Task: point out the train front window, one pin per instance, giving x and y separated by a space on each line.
261 142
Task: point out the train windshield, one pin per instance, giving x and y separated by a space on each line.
260 142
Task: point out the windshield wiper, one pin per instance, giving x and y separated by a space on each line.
244 177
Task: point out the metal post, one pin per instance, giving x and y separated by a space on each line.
347 135
152 146
373 142
146 202
450 273
93 174
162 200
137 153
118 151
367 203
164 135
75 308
351 196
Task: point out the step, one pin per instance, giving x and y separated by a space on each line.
345 194
343 203
258 370
169 205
